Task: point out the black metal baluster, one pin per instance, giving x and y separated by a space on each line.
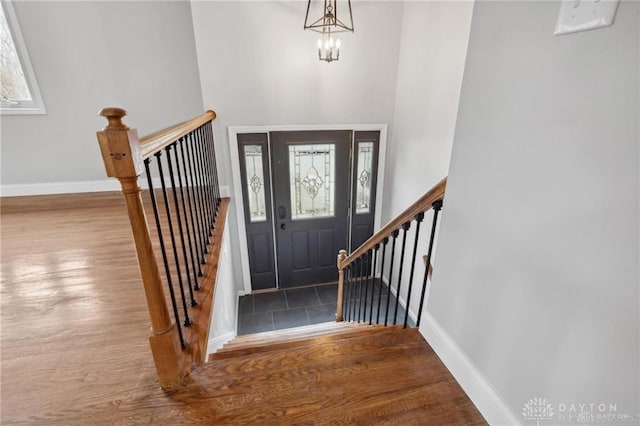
158 155
163 249
206 166
198 186
215 166
355 289
354 294
215 189
384 250
405 227
419 218
179 217
197 239
360 270
209 175
437 206
193 236
196 285
196 199
350 290
373 279
345 295
394 235
367 271
203 182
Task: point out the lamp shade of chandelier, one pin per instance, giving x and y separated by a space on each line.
327 24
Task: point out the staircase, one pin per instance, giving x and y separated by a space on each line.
348 372
322 374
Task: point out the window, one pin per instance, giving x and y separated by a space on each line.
19 92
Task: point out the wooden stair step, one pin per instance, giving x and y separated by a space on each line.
322 350
272 343
388 376
292 333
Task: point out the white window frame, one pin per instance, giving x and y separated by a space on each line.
35 106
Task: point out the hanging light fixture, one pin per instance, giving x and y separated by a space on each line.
327 25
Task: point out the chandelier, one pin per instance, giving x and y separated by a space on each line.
327 25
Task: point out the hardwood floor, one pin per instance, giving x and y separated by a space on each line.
74 318
75 351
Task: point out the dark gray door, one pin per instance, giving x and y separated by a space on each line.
311 194
256 192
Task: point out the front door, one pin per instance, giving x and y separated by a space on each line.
311 191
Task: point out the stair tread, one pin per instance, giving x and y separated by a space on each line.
275 356
278 342
388 376
296 331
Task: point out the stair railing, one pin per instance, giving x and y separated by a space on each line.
189 216
363 294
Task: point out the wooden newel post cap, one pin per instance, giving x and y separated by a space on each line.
342 255
114 116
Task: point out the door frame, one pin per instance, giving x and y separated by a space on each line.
236 180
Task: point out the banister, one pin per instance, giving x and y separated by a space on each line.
421 205
127 157
156 141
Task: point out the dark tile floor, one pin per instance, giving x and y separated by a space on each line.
287 308
311 305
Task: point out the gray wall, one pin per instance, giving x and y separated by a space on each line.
536 277
88 55
433 48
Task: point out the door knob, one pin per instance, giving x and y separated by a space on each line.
283 226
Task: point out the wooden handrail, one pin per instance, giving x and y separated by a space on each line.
156 141
123 154
421 205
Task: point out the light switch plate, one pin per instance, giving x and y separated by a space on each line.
582 15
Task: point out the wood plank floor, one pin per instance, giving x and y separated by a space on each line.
74 343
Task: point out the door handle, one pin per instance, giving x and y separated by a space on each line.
282 213
283 226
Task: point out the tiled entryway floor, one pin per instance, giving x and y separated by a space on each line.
304 306
287 308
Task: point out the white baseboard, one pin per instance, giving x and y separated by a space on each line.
479 390
50 188
218 342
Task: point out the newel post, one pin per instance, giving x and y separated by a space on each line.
342 255
121 154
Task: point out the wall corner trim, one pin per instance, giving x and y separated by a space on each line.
494 409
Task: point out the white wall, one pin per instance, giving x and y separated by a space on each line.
88 55
536 278
638 136
258 67
225 300
432 54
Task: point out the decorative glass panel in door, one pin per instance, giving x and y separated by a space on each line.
364 186
311 181
363 176
255 182
256 193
